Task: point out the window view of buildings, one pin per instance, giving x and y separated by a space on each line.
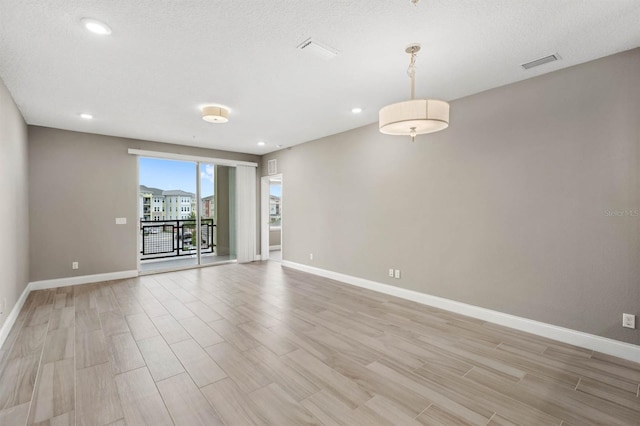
159 204
275 203
274 210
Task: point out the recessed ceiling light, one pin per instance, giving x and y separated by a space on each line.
96 26
261 143
86 116
356 110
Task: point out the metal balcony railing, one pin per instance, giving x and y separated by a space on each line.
172 238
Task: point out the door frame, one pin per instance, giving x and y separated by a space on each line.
198 160
264 214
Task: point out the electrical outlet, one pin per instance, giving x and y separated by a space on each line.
74 265
310 256
396 273
628 321
391 272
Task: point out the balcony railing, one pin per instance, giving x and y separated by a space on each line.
172 238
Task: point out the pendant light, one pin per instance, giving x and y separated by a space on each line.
416 116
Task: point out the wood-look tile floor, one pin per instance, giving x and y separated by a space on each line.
259 344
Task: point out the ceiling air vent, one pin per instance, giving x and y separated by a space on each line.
318 49
541 61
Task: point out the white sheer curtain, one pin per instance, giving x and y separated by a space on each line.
246 213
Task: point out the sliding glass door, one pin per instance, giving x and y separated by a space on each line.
217 212
186 213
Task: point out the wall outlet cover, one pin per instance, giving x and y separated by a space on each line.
628 320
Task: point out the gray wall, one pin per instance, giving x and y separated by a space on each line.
275 237
78 184
14 208
513 208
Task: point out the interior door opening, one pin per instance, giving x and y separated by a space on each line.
272 205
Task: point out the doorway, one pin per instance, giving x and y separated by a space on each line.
186 214
271 215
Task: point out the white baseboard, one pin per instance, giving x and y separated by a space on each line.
13 316
278 247
82 279
616 348
59 282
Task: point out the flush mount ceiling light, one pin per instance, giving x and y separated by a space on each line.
86 116
261 143
215 114
356 110
416 116
96 26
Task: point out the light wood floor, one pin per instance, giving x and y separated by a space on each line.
258 344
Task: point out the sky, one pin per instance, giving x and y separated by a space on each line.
275 190
170 174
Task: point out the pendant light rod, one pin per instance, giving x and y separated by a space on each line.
412 50
413 84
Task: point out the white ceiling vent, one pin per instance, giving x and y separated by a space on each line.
318 49
541 61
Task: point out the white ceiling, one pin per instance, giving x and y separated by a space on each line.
167 58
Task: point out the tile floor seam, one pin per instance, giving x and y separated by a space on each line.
146 366
113 375
470 370
492 416
155 383
38 370
577 384
75 362
425 409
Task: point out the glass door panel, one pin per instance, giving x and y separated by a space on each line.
171 200
217 224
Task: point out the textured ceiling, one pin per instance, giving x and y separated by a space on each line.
167 58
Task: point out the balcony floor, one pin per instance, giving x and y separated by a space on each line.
153 265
